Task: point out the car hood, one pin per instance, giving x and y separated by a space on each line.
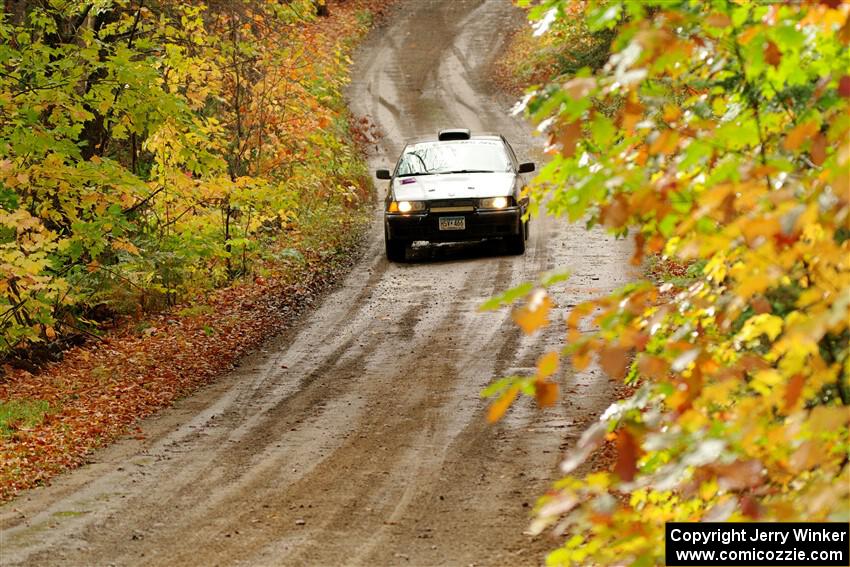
453 186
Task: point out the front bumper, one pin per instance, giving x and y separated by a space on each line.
479 225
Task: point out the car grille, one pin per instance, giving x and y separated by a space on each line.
451 203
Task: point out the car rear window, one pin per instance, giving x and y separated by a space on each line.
456 156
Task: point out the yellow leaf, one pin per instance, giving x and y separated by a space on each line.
765 380
125 245
719 392
708 489
750 286
547 365
500 406
672 113
763 227
764 324
715 269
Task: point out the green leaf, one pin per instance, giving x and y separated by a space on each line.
507 297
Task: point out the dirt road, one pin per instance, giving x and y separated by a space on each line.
358 437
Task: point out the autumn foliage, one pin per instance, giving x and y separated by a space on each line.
153 156
715 136
152 151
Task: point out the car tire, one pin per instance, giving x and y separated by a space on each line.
396 249
516 243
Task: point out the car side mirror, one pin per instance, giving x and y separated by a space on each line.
526 167
383 174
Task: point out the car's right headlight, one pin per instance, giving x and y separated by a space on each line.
493 203
406 206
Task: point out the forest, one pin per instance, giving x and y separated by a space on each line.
152 151
182 181
715 136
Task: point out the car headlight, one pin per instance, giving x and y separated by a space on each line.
406 206
493 203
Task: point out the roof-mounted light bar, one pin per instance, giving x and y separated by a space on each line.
453 134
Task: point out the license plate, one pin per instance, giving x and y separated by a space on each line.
452 223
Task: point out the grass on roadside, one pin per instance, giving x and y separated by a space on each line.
22 414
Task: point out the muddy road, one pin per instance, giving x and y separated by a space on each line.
358 437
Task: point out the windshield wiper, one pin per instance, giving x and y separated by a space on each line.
469 171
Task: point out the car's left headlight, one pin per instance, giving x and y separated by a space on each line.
406 206
493 203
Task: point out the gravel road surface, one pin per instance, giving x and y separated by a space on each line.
358 437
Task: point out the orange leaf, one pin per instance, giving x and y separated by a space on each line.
760 227
616 213
738 475
672 113
844 86
665 143
547 365
546 393
772 54
718 20
579 88
799 134
614 361
568 135
581 358
844 33
761 305
653 367
818 149
500 406
750 507
627 456
748 35
637 257
579 312
632 113
793 391
535 313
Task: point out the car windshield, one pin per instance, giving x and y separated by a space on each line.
462 156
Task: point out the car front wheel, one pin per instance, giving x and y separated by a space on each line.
396 249
516 244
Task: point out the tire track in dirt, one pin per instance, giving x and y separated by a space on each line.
358 437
